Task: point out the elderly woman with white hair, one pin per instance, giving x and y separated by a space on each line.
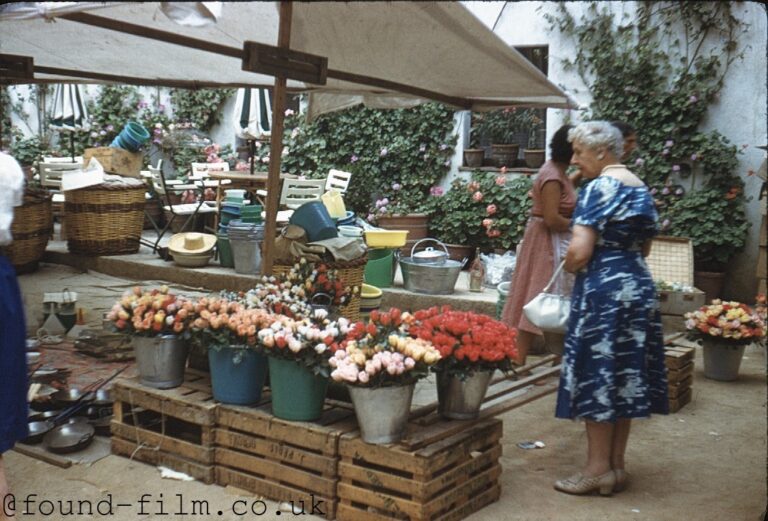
613 361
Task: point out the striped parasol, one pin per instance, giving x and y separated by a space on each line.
252 117
69 112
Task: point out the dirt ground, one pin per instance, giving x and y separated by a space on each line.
706 462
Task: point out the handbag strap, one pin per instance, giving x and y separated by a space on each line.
554 276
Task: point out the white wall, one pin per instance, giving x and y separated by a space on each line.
740 114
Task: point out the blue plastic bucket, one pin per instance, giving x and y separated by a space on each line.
240 383
132 137
316 220
348 219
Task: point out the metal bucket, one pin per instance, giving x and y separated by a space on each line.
160 360
461 399
432 279
382 412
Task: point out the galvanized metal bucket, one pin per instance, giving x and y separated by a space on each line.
160 360
459 399
382 412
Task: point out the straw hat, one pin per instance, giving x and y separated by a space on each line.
191 243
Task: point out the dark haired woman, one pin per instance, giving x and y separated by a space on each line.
545 240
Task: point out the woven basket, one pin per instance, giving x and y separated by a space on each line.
104 219
32 227
349 272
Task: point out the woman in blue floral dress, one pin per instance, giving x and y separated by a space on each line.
613 363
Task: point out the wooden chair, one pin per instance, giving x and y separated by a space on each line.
296 192
165 189
338 180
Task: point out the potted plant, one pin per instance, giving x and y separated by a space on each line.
380 363
502 127
474 155
725 329
715 221
159 325
227 330
534 157
472 346
401 211
489 212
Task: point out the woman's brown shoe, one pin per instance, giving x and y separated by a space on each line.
579 484
622 479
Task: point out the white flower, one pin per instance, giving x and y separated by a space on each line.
321 348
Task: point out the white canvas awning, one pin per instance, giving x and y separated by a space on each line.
438 47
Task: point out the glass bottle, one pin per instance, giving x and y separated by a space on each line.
476 273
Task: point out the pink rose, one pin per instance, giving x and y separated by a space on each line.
491 209
487 223
500 179
477 197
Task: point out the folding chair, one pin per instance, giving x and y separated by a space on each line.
166 188
338 180
296 192
50 178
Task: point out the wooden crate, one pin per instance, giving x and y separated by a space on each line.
676 357
116 160
675 404
446 479
676 375
282 460
173 427
677 389
680 364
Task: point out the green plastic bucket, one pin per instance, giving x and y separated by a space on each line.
297 393
379 270
225 251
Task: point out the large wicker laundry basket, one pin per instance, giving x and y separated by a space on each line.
31 228
350 273
104 219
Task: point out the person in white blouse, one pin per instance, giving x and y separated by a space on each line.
13 365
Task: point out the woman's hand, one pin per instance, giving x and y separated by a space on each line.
580 249
550 202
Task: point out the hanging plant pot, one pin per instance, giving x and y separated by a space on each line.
382 412
297 393
461 399
534 157
473 157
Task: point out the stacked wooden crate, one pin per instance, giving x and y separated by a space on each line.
679 361
282 460
172 428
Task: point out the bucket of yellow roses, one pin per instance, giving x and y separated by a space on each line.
158 322
725 329
472 347
380 363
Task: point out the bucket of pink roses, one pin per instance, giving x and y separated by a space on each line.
472 346
158 322
380 363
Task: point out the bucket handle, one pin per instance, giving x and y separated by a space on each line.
464 262
429 239
328 302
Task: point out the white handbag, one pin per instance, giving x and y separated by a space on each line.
549 311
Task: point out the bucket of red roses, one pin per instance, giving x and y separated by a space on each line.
472 346
380 363
158 322
725 329
226 329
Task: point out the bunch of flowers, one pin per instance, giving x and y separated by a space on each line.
730 321
381 353
467 341
306 340
153 312
223 322
309 281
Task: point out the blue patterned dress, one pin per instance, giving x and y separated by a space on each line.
613 362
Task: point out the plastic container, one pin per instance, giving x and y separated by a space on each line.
132 137
379 270
316 221
349 219
225 251
297 393
237 383
386 238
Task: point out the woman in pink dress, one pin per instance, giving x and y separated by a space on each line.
545 241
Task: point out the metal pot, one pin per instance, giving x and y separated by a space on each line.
429 255
37 430
70 437
432 279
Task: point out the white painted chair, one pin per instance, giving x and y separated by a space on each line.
50 173
338 180
50 159
296 192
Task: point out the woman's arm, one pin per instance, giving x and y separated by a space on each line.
550 202
580 249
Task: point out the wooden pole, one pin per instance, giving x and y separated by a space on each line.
276 143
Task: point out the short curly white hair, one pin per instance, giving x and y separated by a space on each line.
598 134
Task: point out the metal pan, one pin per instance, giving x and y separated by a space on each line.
70 437
67 397
103 398
39 416
37 430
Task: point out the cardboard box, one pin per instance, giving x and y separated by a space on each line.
116 160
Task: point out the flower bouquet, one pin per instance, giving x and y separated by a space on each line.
159 323
380 362
725 329
317 285
472 346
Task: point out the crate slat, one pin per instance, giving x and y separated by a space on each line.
121 447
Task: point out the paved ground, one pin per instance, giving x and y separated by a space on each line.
707 462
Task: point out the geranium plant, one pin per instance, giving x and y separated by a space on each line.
381 353
732 322
305 340
154 312
468 342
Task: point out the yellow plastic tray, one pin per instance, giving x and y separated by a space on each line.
386 238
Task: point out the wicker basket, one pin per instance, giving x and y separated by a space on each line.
32 227
350 273
104 219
